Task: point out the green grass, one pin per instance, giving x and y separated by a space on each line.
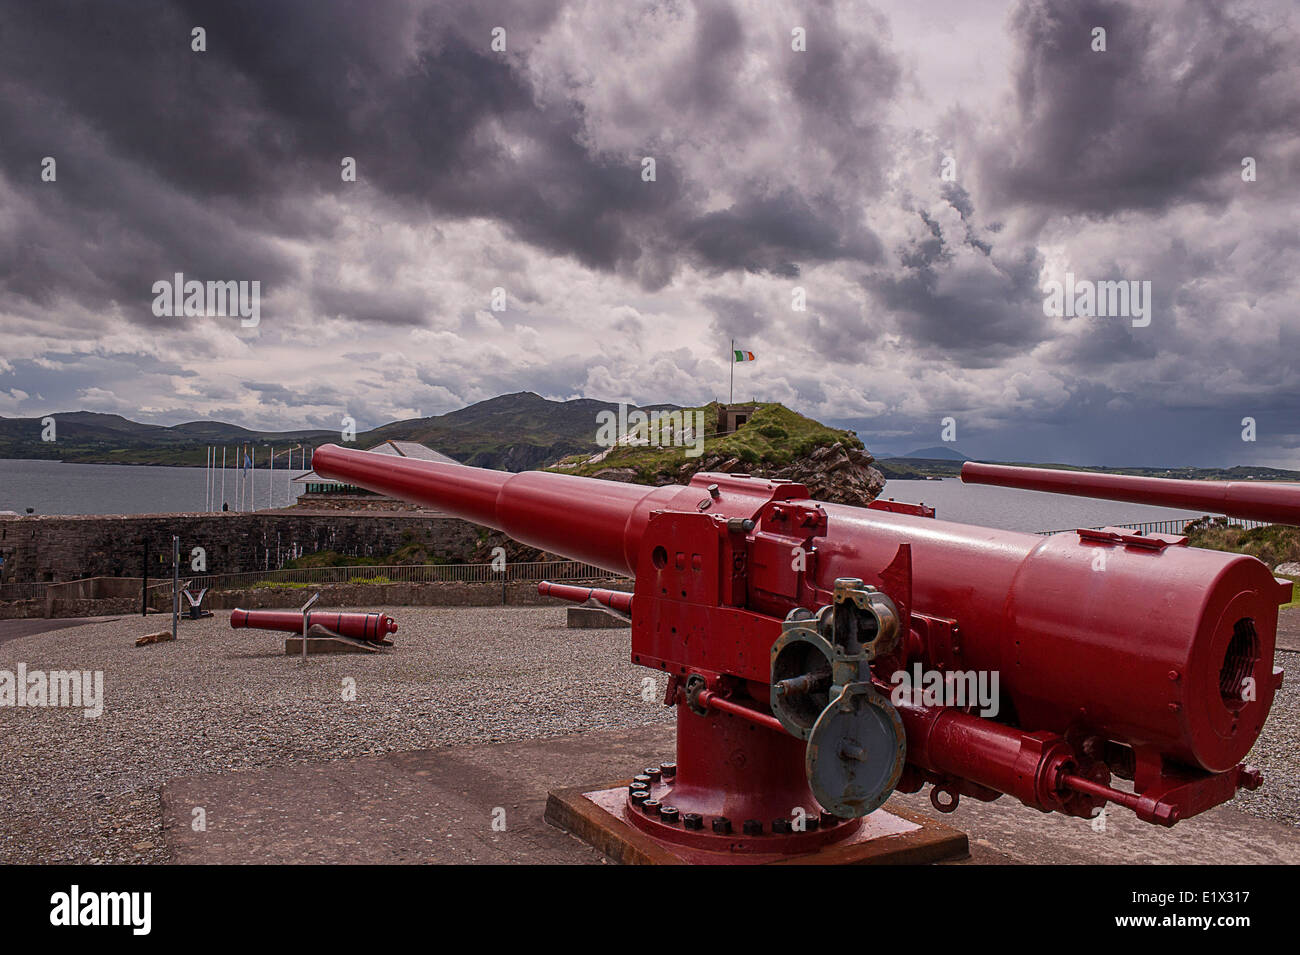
297 585
1273 544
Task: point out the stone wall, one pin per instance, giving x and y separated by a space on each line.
58 548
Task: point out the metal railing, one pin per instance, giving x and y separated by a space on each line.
1177 525
39 590
23 591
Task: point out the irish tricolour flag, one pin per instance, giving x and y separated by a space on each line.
743 355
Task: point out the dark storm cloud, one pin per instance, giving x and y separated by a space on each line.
843 83
384 306
735 316
1101 343
951 296
1163 116
842 331
774 233
173 160
719 43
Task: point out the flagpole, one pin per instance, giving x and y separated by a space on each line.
731 397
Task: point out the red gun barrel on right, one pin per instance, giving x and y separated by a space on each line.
1274 503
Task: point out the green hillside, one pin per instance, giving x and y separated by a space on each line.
773 436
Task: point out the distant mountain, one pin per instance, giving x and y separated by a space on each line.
513 432
88 437
510 432
937 453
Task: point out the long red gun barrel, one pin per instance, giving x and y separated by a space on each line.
1248 500
1161 659
372 626
589 527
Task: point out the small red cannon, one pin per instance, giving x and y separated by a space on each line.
619 601
371 627
784 624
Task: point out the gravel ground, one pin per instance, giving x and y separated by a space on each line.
74 789
1277 752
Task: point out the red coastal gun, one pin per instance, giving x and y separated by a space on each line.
783 624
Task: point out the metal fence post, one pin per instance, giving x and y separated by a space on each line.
176 583
305 608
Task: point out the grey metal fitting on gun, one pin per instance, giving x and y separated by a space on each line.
822 692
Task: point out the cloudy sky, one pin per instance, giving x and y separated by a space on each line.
921 170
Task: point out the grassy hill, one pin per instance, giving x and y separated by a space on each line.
773 436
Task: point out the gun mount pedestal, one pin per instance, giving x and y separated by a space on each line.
732 792
737 787
783 743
